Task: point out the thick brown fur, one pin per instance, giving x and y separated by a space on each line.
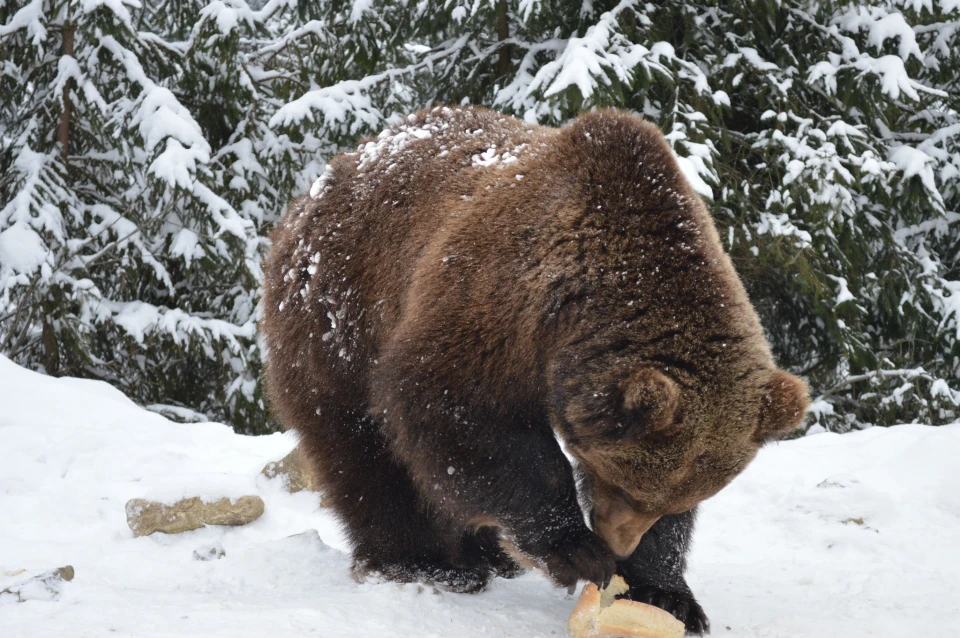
467 286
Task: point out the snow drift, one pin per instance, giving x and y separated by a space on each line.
832 535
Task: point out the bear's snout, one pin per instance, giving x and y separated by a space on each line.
621 526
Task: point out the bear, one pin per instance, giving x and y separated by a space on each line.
505 345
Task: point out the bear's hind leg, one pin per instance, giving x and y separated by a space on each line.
655 571
390 530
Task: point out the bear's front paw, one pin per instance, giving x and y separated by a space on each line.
582 557
682 605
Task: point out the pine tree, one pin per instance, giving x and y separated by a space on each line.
138 184
825 136
146 150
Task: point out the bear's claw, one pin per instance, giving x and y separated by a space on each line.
583 558
682 605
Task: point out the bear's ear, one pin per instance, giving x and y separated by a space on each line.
648 404
783 405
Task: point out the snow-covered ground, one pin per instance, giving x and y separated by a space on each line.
853 535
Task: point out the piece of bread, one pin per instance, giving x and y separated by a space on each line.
599 615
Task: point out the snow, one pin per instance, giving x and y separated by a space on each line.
139 318
31 17
528 7
492 156
602 54
228 16
844 294
882 26
915 163
753 58
721 97
29 206
781 226
893 75
830 535
21 249
320 186
692 167
392 141
334 103
359 8
186 244
159 117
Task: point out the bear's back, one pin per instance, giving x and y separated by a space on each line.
345 255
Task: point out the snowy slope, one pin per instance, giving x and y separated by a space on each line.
777 553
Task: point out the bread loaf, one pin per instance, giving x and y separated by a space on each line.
599 615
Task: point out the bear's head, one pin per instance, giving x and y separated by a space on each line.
650 443
662 384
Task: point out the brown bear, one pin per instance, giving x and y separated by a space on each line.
466 295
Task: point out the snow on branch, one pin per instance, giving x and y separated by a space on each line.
139 319
31 18
29 215
880 27
585 62
160 117
938 386
889 69
350 98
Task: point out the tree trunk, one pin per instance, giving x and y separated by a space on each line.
63 134
503 33
48 339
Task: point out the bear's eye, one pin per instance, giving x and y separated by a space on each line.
626 498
